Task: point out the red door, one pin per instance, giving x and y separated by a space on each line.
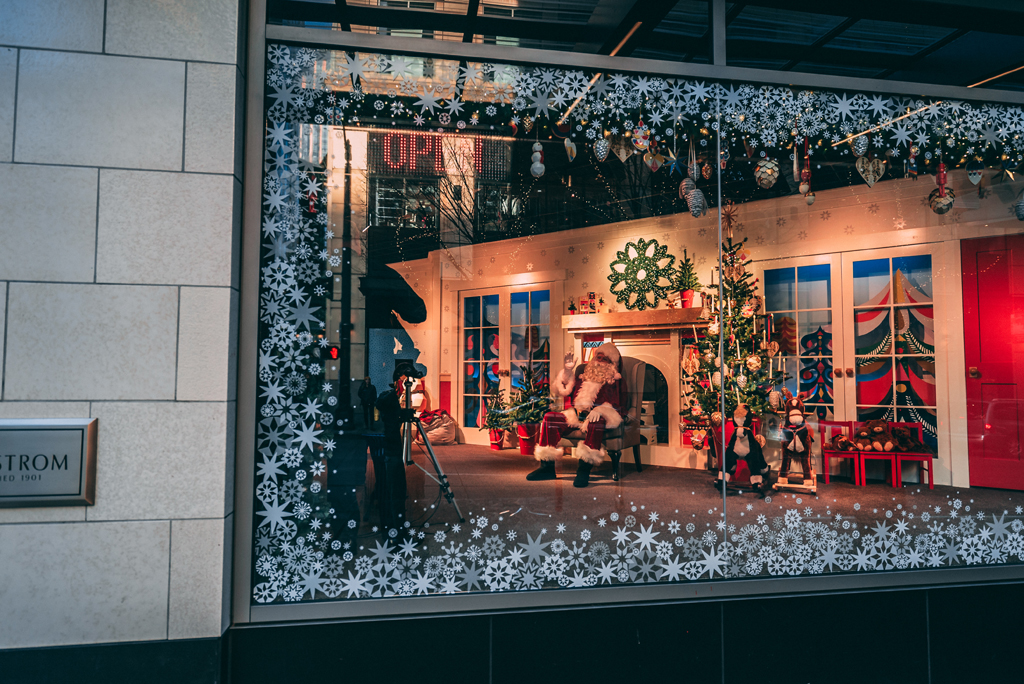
993 278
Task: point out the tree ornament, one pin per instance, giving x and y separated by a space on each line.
528 124
714 327
653 161
871 170
691 364
537 169
706 171
775 400
809 198
709 356
940 203
601 149
570 149
753 363
975 170
716 379
741 380
772 349
621 149
766 173
642 274
716 419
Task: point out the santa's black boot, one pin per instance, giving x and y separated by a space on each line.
546 471
615 456
582 475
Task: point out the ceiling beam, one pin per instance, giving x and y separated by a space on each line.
400 18
730 14
921 54
343 40
471 14
990 16
814 47
792 52
648 13
607 16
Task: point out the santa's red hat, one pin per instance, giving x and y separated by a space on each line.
610 351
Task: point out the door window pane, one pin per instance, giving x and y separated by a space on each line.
915 381
912 279
814 290
784 332
780 289
872 332
540 307
490 343
473 411
874 380
815 333
871 282
471 312
519 308
471 380
915 330
816 379
471 348
491 310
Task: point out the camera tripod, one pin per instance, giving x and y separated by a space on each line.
409 420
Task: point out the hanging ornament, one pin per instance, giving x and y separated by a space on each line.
537 169
753 363
621 149
766 173
871 170
716 379
860 145
723 158
710 357
741 380
570 149
641 136
561 130
706 171
692 165
809 198
975 170
686 187
775 400
653 161
773 348
805 174
716 419
1018 208
601 149
940 203
697 203
912 161
714 327
528 123
514 126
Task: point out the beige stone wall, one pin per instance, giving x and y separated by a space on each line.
120 188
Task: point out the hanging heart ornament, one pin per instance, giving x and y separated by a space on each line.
975 170
773 348
870 170
570 149
653 161
601 149
690 364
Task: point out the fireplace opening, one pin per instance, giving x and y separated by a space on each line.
654 409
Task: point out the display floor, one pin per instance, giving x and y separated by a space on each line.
489 482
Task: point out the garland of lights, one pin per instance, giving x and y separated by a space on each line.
642 274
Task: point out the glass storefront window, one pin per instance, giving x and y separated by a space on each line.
588 335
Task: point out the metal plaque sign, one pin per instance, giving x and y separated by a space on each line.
47 462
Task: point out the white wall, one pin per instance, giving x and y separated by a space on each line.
120 187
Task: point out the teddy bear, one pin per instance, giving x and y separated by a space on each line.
841 442
881 438
907 441
862 438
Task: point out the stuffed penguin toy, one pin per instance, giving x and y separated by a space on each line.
745 445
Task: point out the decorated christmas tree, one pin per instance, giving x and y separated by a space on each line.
747 371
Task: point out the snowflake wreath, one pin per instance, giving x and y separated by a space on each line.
642 274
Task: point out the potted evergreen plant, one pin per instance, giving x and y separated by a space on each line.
498 418
686 281
529 403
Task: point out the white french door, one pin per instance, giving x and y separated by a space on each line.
502 331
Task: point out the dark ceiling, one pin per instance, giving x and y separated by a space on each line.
946 42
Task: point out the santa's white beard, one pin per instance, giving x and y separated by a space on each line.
599 372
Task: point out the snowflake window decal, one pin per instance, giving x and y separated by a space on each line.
642 274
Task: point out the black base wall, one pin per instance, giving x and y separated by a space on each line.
938 636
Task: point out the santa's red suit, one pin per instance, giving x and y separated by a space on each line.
596 399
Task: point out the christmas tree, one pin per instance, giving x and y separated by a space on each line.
686 275
745 373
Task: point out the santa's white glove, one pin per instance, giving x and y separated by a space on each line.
593 417
570 361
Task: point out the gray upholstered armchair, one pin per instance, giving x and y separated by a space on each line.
628 434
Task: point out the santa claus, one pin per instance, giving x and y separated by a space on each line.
597 395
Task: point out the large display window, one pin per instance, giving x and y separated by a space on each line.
655 331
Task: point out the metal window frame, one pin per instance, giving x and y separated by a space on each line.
243 612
